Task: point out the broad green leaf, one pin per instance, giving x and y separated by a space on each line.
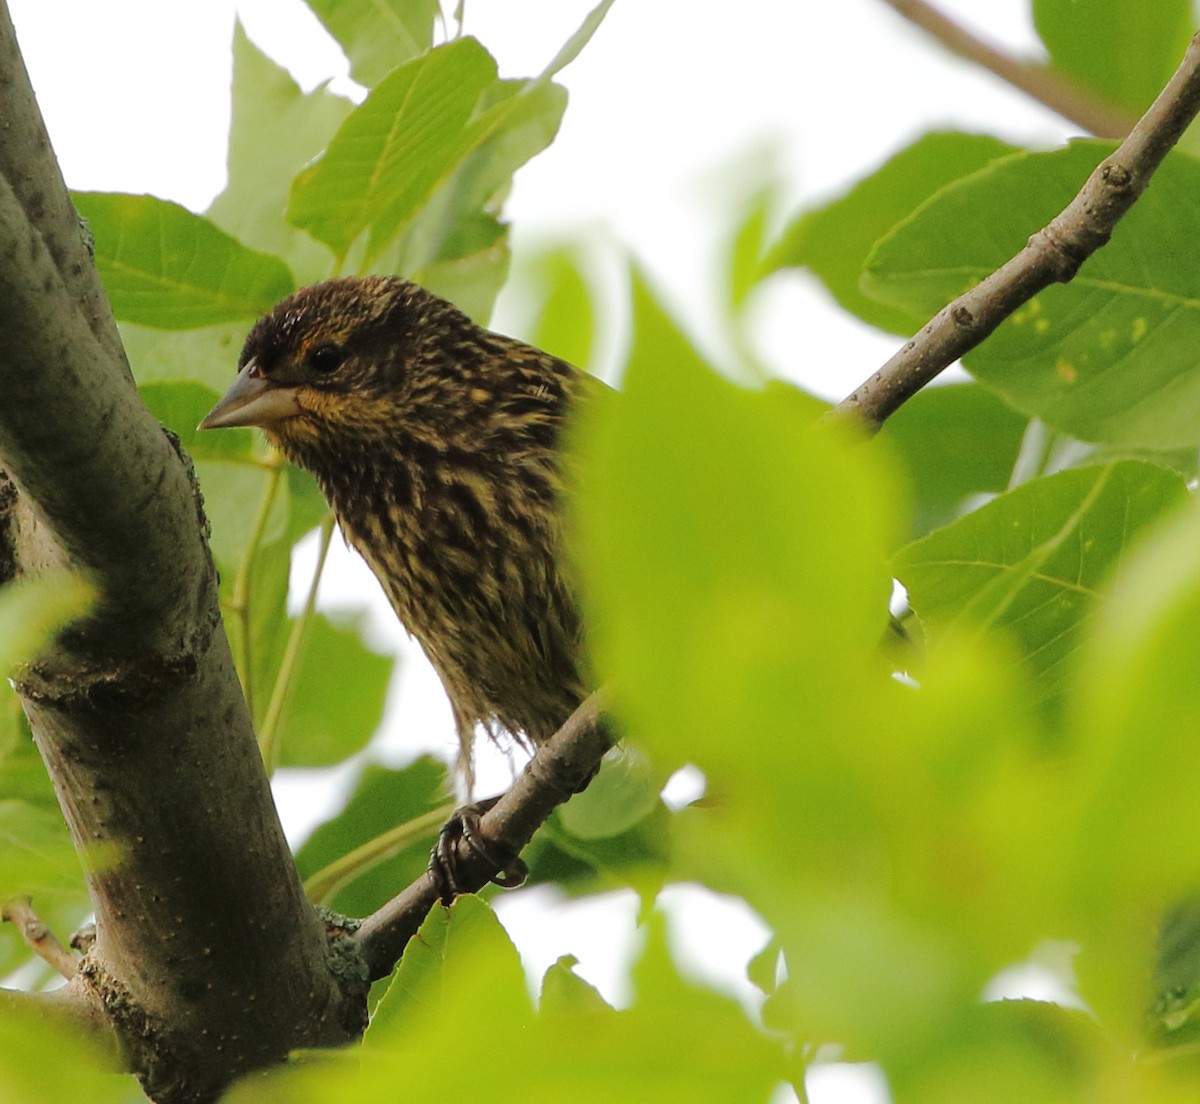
712 605
382 799
624 792
378 35
435 975
1035 561
957 441
276 130
1121 52
336 699
208 356
1108 357
34 609
460 978
165 267
1131 821
834 241
443 114
180 405
35 1067
394 149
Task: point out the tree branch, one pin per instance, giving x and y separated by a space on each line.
559 769
1052 255
208 960
1039 81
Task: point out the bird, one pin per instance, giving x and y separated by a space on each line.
438 444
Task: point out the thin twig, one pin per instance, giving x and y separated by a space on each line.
324 885
1052 255
1039 81
42 941
560 767
268 733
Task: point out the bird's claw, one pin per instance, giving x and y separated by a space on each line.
464 823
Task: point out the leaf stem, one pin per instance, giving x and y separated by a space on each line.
239 604
268 733
325 884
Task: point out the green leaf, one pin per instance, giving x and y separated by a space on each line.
443 113
623 793
565 993
336 699
574 45
834 241
957 441
208 356
394 149
1035 561
165 267
1121 52
382 799
566 319
276 130
1130 820
1107 357
377 35
437 970
707 595
180 405
34 1067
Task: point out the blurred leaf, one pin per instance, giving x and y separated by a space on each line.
1108 357
957 441
382 799
834 241
34 608
276 130
710 604
566 319
34 1067
565 993
1122 53
1131 821
36 854
638 857
460 978
377 35
163 266
336 699
1035 561
623 793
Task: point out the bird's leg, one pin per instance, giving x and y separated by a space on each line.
510 869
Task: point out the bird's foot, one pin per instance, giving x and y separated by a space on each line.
510 869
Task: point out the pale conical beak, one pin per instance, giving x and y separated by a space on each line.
252 400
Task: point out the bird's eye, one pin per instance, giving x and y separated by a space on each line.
325 358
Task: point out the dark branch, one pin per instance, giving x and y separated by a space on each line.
1052 255
560 767
1038 81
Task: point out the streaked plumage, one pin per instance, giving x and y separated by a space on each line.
436 443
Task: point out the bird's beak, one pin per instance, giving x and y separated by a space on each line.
253 400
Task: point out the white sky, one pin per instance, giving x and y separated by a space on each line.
670 104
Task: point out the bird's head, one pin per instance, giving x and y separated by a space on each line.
342 357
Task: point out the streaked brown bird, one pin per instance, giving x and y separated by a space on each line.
437 444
